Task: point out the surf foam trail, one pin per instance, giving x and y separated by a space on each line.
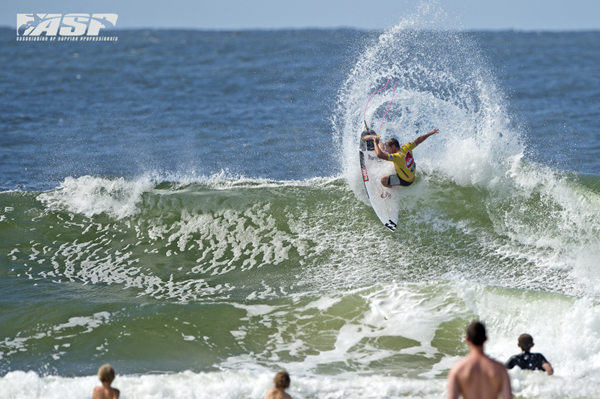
536 212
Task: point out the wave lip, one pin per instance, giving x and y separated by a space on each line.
90 196
119 198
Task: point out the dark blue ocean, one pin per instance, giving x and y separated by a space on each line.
187 205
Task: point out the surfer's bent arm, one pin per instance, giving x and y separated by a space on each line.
424 137
378 147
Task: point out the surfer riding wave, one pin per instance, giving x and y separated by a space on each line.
400 155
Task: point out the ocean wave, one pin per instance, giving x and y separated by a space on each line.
193 240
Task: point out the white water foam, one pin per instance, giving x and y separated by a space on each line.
566 330
254 385
226 385
351 343
90 196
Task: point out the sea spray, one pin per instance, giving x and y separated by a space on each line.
442 80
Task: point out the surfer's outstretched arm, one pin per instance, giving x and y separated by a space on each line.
424 137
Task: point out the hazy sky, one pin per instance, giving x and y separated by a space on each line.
274 14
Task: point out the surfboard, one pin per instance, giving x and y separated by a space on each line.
385 201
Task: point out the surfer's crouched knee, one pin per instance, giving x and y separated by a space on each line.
395 180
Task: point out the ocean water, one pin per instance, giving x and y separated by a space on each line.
187 206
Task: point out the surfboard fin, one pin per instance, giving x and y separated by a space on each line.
391 225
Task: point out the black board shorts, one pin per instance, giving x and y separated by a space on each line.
395 180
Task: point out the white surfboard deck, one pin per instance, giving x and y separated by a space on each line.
385 201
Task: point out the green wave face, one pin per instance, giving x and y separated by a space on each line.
246 239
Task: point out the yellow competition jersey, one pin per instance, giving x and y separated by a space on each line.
404 162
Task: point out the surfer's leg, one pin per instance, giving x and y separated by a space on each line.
385 181
391 180
394 180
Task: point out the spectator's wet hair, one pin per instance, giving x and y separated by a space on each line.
476 333
525 342
106 373
282 380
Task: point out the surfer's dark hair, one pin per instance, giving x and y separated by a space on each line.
392 141
476 333
525 342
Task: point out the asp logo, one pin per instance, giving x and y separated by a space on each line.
68 25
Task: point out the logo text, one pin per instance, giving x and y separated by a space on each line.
68 25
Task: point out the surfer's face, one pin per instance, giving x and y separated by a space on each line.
391 148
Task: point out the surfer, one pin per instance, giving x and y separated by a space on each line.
477 376
400 155
528 360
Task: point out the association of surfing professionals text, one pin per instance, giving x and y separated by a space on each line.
67 27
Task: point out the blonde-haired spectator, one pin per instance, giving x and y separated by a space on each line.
106 374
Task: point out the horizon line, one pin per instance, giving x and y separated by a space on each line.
515 30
